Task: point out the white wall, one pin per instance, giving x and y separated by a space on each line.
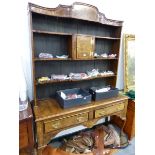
113 9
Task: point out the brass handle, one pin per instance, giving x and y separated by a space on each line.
56 125
120 107
80 119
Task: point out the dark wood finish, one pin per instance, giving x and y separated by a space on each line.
72 30
77 10
26 138
129 127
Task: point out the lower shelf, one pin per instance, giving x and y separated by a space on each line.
72 80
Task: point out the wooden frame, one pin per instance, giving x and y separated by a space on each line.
129 62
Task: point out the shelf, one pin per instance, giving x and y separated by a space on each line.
51 59
71 80
70 59
110 38
97 59
51 33
70 34
77 38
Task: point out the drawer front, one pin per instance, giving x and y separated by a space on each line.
23 135
64 122
109 110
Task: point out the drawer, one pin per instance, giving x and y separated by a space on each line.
109 110
23 135
65 121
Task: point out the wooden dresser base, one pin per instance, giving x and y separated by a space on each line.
50 118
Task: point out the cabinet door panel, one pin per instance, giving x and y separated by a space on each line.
85 46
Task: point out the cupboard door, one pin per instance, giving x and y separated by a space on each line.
85 46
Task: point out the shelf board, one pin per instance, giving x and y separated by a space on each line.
70 59
50 59
97 59
70 34
110 38
50 33
71 80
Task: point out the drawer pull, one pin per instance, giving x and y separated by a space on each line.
80 119
120 107
56 125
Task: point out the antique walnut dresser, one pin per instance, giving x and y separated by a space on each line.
79 31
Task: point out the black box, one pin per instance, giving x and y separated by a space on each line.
113 92
73 102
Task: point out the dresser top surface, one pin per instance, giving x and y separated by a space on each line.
50 108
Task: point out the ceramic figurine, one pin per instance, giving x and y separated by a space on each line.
62 56
45 55
112 55
43 79
104 55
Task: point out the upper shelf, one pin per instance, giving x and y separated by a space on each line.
70 59
77 10
70 34
51 33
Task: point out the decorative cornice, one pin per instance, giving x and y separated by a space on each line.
77 10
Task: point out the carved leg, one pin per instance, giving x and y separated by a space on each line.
39 126
123 140
35 152
39 150
39 133
122 128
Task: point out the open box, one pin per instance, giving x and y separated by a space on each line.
113 92
68 103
